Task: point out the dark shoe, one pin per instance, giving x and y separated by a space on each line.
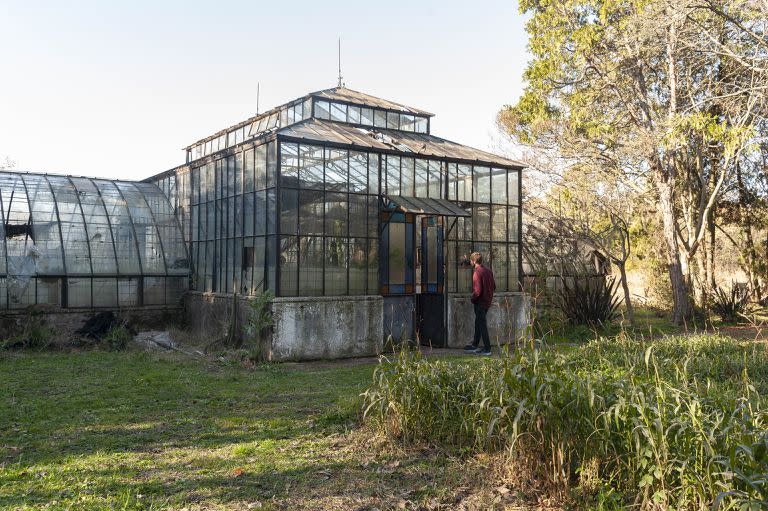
483 352
470 348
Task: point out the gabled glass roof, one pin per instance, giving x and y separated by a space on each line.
360 98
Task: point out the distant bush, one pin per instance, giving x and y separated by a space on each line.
678 423
587 301
731 305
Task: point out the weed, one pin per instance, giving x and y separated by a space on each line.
117 338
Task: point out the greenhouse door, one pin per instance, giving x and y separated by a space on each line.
397 275
430 296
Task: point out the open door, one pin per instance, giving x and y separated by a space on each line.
430 295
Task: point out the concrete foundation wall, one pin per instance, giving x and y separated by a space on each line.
508 318
327 327
65 322
304 328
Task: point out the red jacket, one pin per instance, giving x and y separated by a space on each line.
483 286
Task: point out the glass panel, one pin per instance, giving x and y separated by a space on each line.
246 161
358 171
407 123
154 290
435 180
380 118
336 170
393 175
259 253
393 120
150 248
422 174
406 177
311 266
128 292
373 267
499 186
354 114
464 183
175 287
373 173
421 125
357 215
99 233
47 258
312 208
396 255
514 269
260 211
432 254
357 266
499 223
271 212
288 265
366 116
513 176
271 262
271 163
166 225
48 291
311 166
482 223
513 224
73 230
336 214
78 292
105 292
338 112
373 216
122 231
500 265
322 109
482 184
289 211
260 167
289 165
335 266
452 177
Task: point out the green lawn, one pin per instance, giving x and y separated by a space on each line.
101 430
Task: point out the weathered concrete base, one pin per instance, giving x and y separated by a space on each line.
327 327
64 322
305 328
508 319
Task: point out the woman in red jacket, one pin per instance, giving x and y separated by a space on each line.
483 287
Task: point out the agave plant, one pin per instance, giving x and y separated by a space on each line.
588 301
730 305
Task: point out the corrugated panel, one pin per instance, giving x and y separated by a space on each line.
415 144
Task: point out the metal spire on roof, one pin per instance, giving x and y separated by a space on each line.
341 79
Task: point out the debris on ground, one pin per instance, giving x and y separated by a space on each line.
161 339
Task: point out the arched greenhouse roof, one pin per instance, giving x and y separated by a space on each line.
62 226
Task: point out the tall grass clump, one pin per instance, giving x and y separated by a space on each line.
679 423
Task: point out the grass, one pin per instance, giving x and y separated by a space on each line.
674 423
135 431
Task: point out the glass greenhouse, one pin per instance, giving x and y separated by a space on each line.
339 193
76 242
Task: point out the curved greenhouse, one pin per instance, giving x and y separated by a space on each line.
77 242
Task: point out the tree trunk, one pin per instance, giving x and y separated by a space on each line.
749 253
625 288
682 308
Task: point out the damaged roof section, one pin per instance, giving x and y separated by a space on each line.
316 130
81 232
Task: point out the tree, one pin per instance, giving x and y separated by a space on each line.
671 93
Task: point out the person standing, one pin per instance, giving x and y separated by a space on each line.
483 286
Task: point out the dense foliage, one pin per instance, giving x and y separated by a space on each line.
680 423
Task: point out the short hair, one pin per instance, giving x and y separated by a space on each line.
476 257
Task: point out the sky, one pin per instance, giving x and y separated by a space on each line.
117 89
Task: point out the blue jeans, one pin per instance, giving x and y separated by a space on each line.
481 327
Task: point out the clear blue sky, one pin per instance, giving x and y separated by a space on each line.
116 89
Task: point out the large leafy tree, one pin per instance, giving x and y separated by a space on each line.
670 94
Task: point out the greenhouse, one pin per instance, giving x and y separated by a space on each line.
346 206
82 243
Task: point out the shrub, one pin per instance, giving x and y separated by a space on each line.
34 334
678 423
587 301
258 321
731 305
117 338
